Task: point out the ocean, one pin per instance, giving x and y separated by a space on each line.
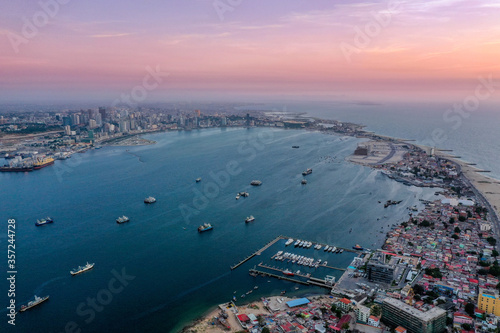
156 273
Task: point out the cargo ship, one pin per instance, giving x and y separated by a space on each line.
307 172
42 163
31 304
24 168
82 269
122 219
205 227
43 221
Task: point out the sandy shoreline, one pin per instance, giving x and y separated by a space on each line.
489 187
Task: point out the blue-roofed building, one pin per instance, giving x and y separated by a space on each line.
298 302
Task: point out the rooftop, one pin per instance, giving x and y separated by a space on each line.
425 316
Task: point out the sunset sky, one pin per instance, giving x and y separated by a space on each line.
94 50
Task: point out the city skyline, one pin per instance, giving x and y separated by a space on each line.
391 50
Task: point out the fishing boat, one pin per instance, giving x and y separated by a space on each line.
82 269
249 219
33 303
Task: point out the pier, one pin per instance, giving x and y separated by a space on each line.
280 277
311 280
274 241
257 253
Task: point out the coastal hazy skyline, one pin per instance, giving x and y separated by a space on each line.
378 50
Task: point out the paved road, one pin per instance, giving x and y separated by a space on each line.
388 157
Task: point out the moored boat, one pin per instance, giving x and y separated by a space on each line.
122 219
249 219
205 227
287 272
149 200
357 247
307 172
43 221
289 241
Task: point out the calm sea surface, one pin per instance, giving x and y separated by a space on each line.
169 274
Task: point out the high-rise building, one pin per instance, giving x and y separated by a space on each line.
489 301
67 130
378 270
67 121
396 313
124 126
102 112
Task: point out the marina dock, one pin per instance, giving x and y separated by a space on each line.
271 243
311 280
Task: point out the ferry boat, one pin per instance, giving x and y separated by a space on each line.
198 179
122 219
43 162
149 200
82 269
44 221
33 303
358 247
250 219
205 227
289 241
307 172
256 183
